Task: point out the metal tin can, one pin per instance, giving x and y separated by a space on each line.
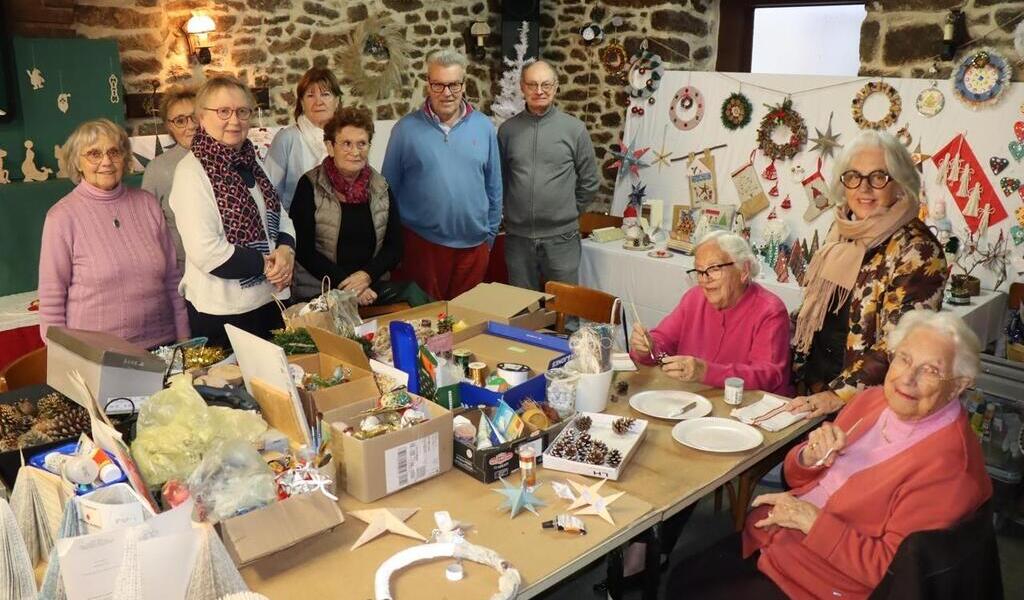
478 373
462 358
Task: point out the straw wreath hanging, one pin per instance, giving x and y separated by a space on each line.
375 58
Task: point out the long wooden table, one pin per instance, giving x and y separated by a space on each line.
661 479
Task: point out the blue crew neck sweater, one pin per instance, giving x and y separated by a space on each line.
447 185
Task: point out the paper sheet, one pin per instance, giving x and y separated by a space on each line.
767 403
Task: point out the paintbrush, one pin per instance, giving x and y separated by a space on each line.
647 334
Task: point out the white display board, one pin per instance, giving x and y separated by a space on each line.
989 131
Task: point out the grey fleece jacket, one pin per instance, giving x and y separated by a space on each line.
549 172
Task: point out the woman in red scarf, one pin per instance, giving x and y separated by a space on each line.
346 221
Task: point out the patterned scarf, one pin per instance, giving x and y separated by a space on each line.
356 191
238 211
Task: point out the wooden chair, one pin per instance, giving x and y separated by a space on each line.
1016 295
29 369
368 312
590 221
583 302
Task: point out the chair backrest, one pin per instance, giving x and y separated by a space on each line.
590 221
28 369
1016 295
959 563
583 302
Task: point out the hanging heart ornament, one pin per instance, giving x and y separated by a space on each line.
1018 130
1009 185
1016 150
998 164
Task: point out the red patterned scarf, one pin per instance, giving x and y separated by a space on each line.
356 191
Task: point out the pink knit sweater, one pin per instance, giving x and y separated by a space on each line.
107 263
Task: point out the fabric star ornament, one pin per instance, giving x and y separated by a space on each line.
518 498
628 158
383 520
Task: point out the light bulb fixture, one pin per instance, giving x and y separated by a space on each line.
197 33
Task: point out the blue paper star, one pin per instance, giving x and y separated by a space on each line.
629 158
636 196
518 498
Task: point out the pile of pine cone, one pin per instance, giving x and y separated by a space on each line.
51 418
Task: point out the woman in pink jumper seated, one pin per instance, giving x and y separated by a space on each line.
725 326
107 262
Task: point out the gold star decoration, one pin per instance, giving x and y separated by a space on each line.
919 157
826 143
661 158
383 520
591 502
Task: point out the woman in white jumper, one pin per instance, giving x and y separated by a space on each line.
239 242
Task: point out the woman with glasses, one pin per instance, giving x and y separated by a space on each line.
346 220
239 242
298 148
177 110
878 262
107 262
900 458
725 326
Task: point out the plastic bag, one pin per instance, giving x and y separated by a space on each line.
335 310
232 479
591 347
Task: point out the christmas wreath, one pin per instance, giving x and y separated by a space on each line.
381 45
870 89
782 115
687 98
736 111
645 72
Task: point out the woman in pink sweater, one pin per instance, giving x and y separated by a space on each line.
107 262
726 326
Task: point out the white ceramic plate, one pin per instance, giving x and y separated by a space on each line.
662 404
716 434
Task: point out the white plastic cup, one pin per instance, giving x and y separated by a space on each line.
733 391
592 392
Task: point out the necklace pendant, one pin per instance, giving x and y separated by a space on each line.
117 223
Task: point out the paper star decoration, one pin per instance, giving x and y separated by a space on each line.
629 158
826 143
563 491
636 196
518 498
590 502
919 157
382 520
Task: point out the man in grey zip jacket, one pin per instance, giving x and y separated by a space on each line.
550 176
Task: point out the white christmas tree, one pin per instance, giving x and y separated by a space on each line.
510 101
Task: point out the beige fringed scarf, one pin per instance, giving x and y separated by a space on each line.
834 268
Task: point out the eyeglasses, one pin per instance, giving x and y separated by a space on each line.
348 146
95 156
928 376
182 120
876 179
224 112
712 273
547 86
437 87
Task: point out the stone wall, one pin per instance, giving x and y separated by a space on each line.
900 37
272 42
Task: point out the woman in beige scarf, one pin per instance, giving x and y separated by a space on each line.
878 261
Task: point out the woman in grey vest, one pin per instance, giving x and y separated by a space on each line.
346 221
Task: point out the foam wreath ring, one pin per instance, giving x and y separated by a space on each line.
870 89
736 111
644 75
687 98
782 115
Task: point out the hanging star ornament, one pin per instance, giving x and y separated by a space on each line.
383 520
629 158
591 502
919 156
636 195
826 143
518 498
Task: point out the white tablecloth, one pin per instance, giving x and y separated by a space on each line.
14 312
657 284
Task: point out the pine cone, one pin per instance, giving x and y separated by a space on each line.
614 458
596 455
33 438
622 425
26 408
12 422
582 422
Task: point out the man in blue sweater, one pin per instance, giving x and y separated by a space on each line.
443 166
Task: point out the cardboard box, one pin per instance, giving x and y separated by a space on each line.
371 469
278 526
334 351
111 367
486 302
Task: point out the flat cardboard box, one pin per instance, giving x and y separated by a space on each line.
601 429
486 302
371 469
334 351
278 526
111 367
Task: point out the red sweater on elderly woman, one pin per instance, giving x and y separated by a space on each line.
749 340
933 484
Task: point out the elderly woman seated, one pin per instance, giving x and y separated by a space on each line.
726 326
899 458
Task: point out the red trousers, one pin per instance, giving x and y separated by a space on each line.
442 272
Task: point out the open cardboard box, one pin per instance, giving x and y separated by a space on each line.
278 526
333 351
373 468
486 302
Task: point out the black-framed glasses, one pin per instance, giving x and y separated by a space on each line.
95 156
712 273
182 120
877 179
225 112
437 87
547 86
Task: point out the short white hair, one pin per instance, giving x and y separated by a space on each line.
966 362
447 58
735 246
898 162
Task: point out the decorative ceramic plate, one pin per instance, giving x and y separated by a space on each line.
659 254
981 78
930 102
717 434
665 404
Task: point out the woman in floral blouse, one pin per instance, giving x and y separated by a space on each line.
879 261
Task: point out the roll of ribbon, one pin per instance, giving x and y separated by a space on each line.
478 373
513 373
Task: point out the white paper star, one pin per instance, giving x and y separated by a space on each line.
594 503
382 520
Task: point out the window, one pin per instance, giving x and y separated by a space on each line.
808 40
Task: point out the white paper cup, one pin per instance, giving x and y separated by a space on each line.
733 391
592 392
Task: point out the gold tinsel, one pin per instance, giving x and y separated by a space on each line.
198 358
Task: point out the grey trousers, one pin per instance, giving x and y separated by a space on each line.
533 261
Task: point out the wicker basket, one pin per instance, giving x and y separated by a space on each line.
1015 352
